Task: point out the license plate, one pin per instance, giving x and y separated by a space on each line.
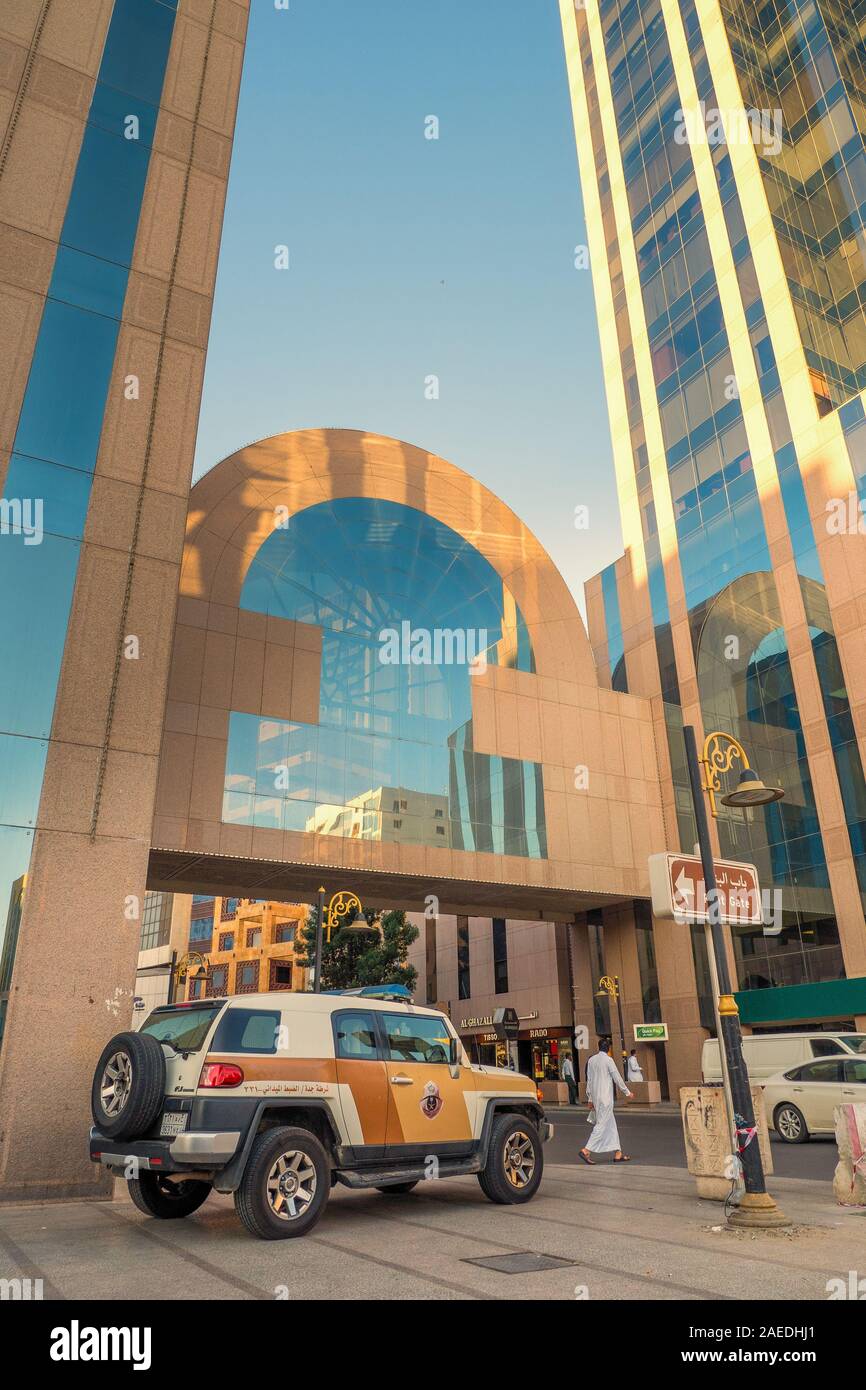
173 1122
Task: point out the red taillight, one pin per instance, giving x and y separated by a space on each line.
220 1074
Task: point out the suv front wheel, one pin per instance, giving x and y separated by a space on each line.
514 1161
285 1185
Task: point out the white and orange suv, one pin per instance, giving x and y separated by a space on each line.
275 1097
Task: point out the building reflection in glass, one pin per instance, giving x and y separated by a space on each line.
392 755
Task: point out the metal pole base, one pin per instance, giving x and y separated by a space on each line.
757 1210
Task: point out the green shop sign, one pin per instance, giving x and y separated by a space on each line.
650 1032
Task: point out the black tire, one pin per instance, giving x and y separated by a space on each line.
398 1187
790 1124
144 1086
503 1181
155 1195
252 1202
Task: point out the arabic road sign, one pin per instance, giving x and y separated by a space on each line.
651 1032
678 890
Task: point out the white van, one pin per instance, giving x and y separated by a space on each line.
769 1053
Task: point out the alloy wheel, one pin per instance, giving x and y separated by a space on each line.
291 1185
519 1159
790 1124
116 1083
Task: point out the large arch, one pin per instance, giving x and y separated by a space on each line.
258 634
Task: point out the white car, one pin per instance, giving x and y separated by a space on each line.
800 1102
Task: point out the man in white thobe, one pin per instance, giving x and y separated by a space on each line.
633 1068
601 1077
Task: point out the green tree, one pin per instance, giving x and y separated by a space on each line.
353 958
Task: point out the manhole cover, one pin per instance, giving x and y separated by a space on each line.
520 1262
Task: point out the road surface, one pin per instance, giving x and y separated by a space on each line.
658 1139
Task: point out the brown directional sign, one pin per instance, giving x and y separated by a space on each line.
679 891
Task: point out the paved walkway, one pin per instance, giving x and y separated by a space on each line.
635 1233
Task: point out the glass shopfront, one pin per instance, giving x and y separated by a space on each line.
536 1052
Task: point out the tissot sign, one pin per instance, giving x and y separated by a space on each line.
678 890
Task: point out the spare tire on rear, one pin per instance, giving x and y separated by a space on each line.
128 1085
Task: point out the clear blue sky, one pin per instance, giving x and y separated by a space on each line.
412 257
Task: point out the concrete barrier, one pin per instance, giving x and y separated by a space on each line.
708 1141
849 1181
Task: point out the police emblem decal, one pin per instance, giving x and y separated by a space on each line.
431 1101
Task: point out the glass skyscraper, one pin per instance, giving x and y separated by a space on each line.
721 150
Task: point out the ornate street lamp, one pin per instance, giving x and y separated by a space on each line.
343 905
608 987
720 752
757 1207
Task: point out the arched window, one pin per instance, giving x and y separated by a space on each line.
410 612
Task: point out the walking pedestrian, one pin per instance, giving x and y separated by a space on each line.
601 1077
570 1079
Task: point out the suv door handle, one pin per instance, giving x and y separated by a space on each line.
402 1081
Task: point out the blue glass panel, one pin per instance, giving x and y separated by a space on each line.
613 626
105 202
406 605
136 47
59 495
38 580
61 418
88 282
111 110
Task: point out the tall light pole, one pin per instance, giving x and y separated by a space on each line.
757 1207
609 985
320 932
341 907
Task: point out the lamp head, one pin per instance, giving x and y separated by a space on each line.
750 791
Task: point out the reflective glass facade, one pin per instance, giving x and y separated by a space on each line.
50 473
806 57
671 209
404 604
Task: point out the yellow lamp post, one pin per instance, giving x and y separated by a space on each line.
342 905
721 750
608 986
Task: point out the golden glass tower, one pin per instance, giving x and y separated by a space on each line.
724 178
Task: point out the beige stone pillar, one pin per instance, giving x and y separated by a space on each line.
74 970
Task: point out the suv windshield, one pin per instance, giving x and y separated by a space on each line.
184 1029
856 1042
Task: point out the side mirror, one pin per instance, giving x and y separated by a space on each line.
454 1052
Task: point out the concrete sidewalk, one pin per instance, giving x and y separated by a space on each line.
629 1233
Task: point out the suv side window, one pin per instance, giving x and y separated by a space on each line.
416 1039
247 1030
355 1037
856 1071
825 1047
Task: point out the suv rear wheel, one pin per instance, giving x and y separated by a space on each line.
156 1195
128 1084
514 1161
285 1185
